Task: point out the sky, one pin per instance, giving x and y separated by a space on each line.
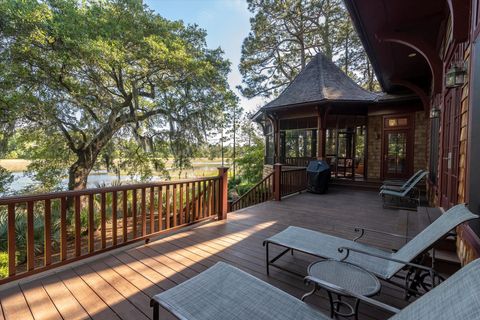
227 24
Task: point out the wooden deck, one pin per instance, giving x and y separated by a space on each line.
119 285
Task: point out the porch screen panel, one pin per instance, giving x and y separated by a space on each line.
297 147
298 143
269 144
269 148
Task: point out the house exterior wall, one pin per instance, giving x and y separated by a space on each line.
420 141
374 146
468 242
267 169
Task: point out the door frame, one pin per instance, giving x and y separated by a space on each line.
454 112
410 129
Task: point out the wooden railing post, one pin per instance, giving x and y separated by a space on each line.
223 193
277 181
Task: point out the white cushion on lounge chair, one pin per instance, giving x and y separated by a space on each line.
223 292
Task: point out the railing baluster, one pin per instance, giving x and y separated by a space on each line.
199 200
103 219
30 238
47 234
160 208
205 213
63 228
196 199
152 210
11 240
187 204
181 212
174 218
114 217
144 211
194 202
134 213
167 207
125 215
78 246
91 224
210 198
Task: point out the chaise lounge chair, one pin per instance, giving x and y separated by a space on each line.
381 263
224 292
393 198
399 185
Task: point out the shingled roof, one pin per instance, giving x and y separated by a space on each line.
321 81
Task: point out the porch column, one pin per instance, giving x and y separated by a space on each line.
320 136
223 193
277 140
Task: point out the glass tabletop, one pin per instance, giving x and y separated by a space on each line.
345 275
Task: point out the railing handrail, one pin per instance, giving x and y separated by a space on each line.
252 188
89 191
287 169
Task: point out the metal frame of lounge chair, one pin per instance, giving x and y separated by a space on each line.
400 184
385 265
219 287
410 194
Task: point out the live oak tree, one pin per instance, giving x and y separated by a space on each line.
108 79
285 34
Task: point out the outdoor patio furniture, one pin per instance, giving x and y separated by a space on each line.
403 198
345 275
384 264
399 185
225 292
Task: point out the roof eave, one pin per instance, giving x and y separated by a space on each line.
357 22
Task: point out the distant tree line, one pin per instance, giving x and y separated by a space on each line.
106 83
286 34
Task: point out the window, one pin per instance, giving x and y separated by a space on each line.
397 122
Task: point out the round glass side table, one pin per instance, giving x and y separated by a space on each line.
341 275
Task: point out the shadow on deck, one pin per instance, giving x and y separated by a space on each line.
120 284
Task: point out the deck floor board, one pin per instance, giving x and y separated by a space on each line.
120 284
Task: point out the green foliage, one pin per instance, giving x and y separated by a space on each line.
249 160
5 179
286 34
3 264
93 78
21 227
250 163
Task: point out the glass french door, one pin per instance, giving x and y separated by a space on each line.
396 151
397 148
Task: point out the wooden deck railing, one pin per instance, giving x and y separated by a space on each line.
261 192
52 229
297 161
292 181
281 182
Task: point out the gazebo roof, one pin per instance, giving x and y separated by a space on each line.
321 81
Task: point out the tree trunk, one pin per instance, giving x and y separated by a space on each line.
78 172
86 157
